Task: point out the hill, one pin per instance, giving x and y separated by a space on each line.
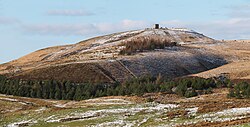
119 56
237 53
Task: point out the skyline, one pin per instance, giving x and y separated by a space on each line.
29 25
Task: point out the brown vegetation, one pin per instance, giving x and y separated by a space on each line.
177 113
219 124
145 43
81 72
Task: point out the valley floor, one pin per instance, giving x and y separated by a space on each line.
167 110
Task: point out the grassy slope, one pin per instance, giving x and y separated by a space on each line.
122 111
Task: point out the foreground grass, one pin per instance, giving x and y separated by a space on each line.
45 113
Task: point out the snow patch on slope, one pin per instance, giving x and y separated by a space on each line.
116 37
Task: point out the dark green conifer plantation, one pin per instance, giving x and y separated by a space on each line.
51 89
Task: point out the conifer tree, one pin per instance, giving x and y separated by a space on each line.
58 92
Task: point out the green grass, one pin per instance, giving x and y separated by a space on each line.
244 125
154 118
41 116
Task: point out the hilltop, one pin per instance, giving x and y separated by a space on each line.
171 52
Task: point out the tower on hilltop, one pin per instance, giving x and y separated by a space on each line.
156 26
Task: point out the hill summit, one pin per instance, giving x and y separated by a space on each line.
171 52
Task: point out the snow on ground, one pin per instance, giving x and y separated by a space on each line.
153 32
118 123
175 35
235 111
114 40
100 101
162 106
143 112
55 55
182 29
192 111
143 121
221 116
60 105
41 109
226 115
9 99
12 110
15 100
116 37
22 123
99 43
148 107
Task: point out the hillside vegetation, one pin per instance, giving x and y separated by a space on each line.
240 91
120 56
141 44
51 89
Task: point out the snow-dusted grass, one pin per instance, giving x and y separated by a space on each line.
41 109
9 99
22 123
100 101
147 108
226 115
60 105
137 115
192 111
113 114
116 112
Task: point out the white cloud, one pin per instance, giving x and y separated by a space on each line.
239 11
121 26
84 29
60 29
235 28
81 12
174 23
8 20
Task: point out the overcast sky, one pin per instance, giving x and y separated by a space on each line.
29 25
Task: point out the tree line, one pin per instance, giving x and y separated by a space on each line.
66 90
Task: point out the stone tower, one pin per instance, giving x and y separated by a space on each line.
157 26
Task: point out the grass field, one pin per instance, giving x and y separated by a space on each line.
125 111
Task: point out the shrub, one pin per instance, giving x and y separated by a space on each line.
181 89
209 90
241 90
191 93
167 87
149 100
